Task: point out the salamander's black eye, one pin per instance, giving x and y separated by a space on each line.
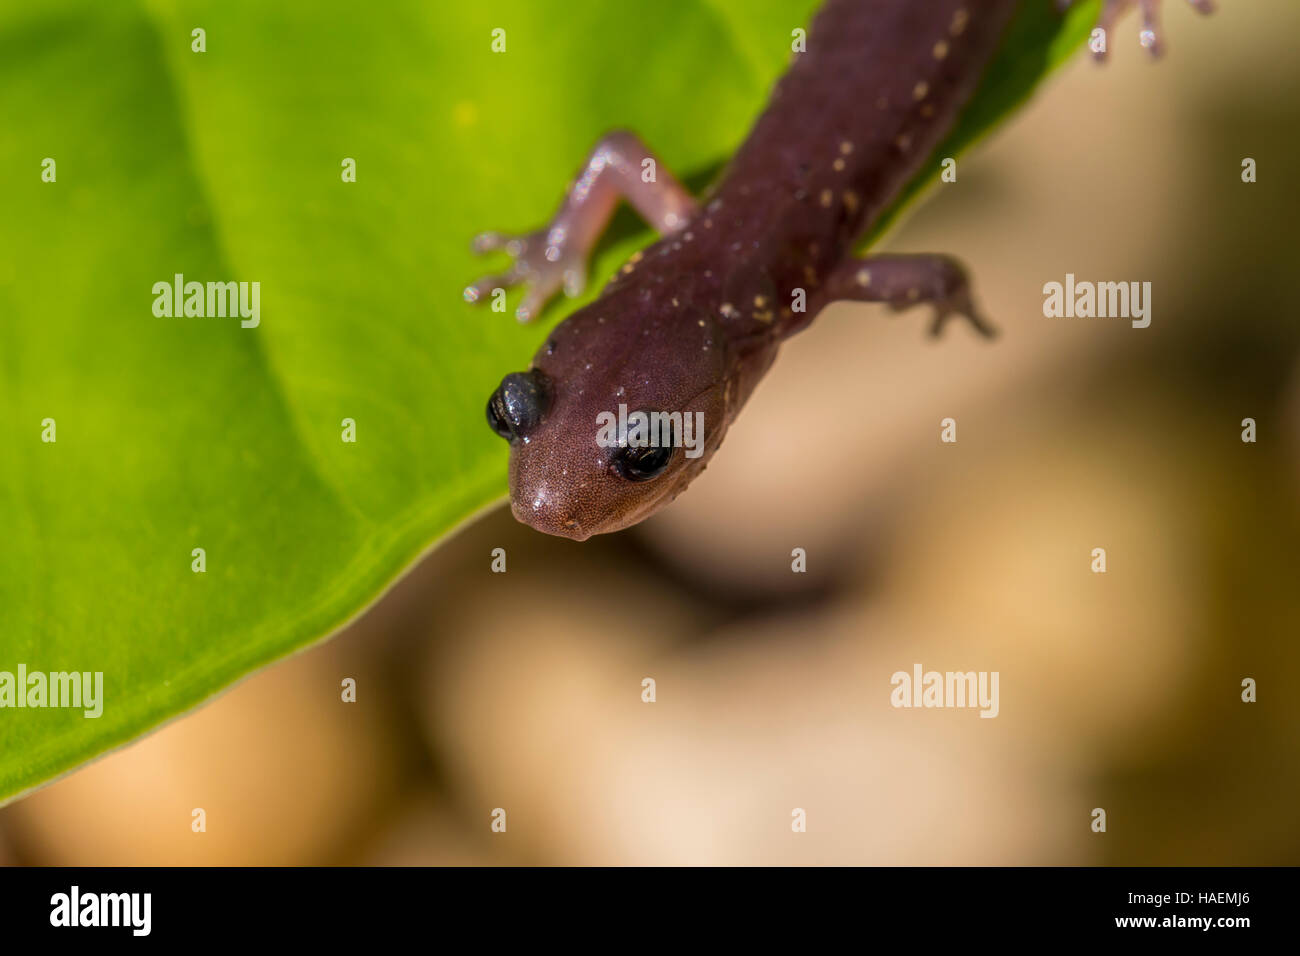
495 421
641 464
518 404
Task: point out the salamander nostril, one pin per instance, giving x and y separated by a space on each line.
518 404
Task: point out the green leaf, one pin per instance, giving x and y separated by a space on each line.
180 433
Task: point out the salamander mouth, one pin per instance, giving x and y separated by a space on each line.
562 526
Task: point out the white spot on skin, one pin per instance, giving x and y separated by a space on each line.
728 310
904 142
864 277
826 198
959 20
941 49
920 90
838 165
850 200
846 147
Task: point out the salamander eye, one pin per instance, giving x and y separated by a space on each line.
641 464
495 421
518 404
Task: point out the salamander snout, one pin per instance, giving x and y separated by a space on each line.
519 404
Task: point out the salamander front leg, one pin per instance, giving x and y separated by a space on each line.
901 281
555 256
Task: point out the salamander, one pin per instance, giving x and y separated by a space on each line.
689 325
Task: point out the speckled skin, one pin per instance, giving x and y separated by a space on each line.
846 128
694 321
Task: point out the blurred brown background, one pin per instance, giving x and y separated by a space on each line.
523 691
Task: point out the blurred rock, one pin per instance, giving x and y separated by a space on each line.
509 703
765 719
424 831
286 773
995 561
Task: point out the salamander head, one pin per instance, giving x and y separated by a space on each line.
596 449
